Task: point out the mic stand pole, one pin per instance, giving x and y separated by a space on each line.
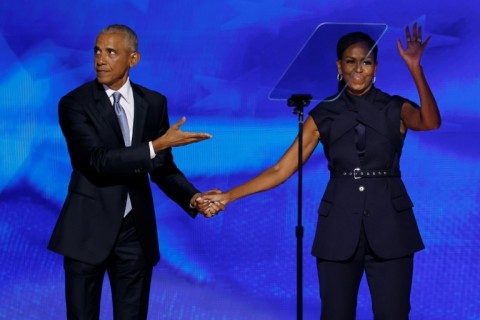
299 101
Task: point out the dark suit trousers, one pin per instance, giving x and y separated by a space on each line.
129 274
389 282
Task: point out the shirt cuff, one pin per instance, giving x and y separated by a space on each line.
152 152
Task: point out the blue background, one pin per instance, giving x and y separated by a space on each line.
217 61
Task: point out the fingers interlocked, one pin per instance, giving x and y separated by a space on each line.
208 208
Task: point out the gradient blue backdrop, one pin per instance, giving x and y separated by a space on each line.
217 61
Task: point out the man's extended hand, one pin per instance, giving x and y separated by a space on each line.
175 137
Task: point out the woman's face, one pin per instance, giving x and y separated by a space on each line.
357 69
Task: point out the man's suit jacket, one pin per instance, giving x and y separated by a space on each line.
104 170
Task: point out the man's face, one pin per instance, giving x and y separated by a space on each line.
113 58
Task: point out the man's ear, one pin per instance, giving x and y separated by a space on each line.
134 58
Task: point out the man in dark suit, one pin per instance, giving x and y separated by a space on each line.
118 134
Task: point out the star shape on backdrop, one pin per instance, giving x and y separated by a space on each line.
241 96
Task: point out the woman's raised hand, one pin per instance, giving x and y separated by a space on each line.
413 52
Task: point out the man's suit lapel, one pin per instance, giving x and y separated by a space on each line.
104 108
140 114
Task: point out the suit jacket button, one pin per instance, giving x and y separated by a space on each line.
361 188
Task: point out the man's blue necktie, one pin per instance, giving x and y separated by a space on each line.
122 117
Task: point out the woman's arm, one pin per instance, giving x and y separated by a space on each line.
279 172
428 116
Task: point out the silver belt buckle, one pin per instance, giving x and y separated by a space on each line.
355 172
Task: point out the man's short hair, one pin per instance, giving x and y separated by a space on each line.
130 35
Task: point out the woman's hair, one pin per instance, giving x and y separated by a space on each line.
352 38
355 37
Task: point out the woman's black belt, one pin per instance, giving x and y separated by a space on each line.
358 173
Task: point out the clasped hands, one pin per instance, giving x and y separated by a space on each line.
208 203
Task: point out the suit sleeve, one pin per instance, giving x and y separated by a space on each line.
167 176
92 147
174 183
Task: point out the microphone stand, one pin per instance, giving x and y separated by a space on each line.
299 101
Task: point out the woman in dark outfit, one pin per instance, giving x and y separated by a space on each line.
366 222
